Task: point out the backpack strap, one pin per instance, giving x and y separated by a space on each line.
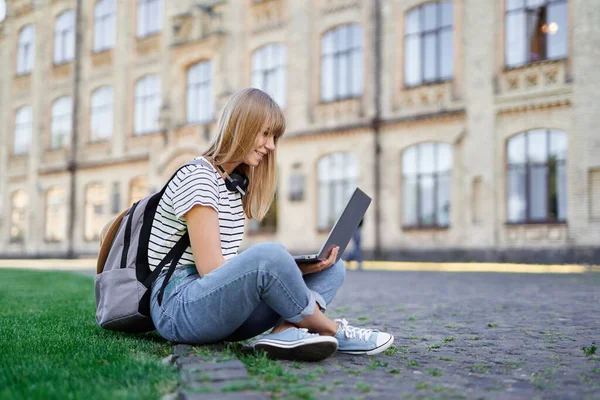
176 252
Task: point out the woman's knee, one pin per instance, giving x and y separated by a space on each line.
338 272
271 255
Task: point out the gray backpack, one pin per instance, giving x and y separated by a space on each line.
123 277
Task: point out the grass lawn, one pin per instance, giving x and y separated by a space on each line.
52 348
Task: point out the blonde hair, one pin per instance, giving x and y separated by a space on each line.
248 113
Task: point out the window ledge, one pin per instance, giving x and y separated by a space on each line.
148 35
532 64
265 231
425 227
428 84
535 223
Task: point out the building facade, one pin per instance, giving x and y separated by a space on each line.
472 124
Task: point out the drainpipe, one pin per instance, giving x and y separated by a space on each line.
72 163
376 122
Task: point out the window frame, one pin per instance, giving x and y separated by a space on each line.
422 33
349 179
22 211
141 93
347 54
57 117
528 220
436 175
143 14
57 191
105 12
26 50
61 37
268 68
100 111
527 48
19 127
197 87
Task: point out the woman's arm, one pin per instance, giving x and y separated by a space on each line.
205 238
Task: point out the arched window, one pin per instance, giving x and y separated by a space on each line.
23 128
200 96
337 179
64 37
428 44
147 104
60 130
341 63
269 71
426 173
101 114
104 25
56 215
26 50
18 216
537 179
95 211
535 30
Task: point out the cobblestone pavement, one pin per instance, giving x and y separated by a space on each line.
464 336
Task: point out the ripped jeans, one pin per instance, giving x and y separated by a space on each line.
243 298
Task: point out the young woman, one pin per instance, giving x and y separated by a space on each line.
217 295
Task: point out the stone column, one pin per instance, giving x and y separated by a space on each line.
584 141
478 62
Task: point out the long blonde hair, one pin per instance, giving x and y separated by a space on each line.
248 113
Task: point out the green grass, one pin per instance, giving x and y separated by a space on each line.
52 348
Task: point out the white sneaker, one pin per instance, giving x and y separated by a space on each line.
352 340
297 344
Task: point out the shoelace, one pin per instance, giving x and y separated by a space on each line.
305 332
352 332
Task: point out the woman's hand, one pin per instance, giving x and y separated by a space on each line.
321 265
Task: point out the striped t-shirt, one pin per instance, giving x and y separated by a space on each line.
195 184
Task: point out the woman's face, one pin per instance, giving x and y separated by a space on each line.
264 144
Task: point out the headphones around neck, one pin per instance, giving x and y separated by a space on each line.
235 181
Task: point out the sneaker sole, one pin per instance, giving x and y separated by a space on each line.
376 350
315 349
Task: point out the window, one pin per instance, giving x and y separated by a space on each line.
537 179
2 10
116 198
64 37
60 130
23 126
269 71
428 44
56 215
535 30
94 211
138 189
104 25
341 63
426 173
149 17
147 104
337 179
268 223
200 103
101 114
26 50
18 216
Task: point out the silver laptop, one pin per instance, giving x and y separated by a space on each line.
344 228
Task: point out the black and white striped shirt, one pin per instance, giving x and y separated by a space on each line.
193 185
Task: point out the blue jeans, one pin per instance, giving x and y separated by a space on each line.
243 298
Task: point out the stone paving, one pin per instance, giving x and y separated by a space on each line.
457 336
